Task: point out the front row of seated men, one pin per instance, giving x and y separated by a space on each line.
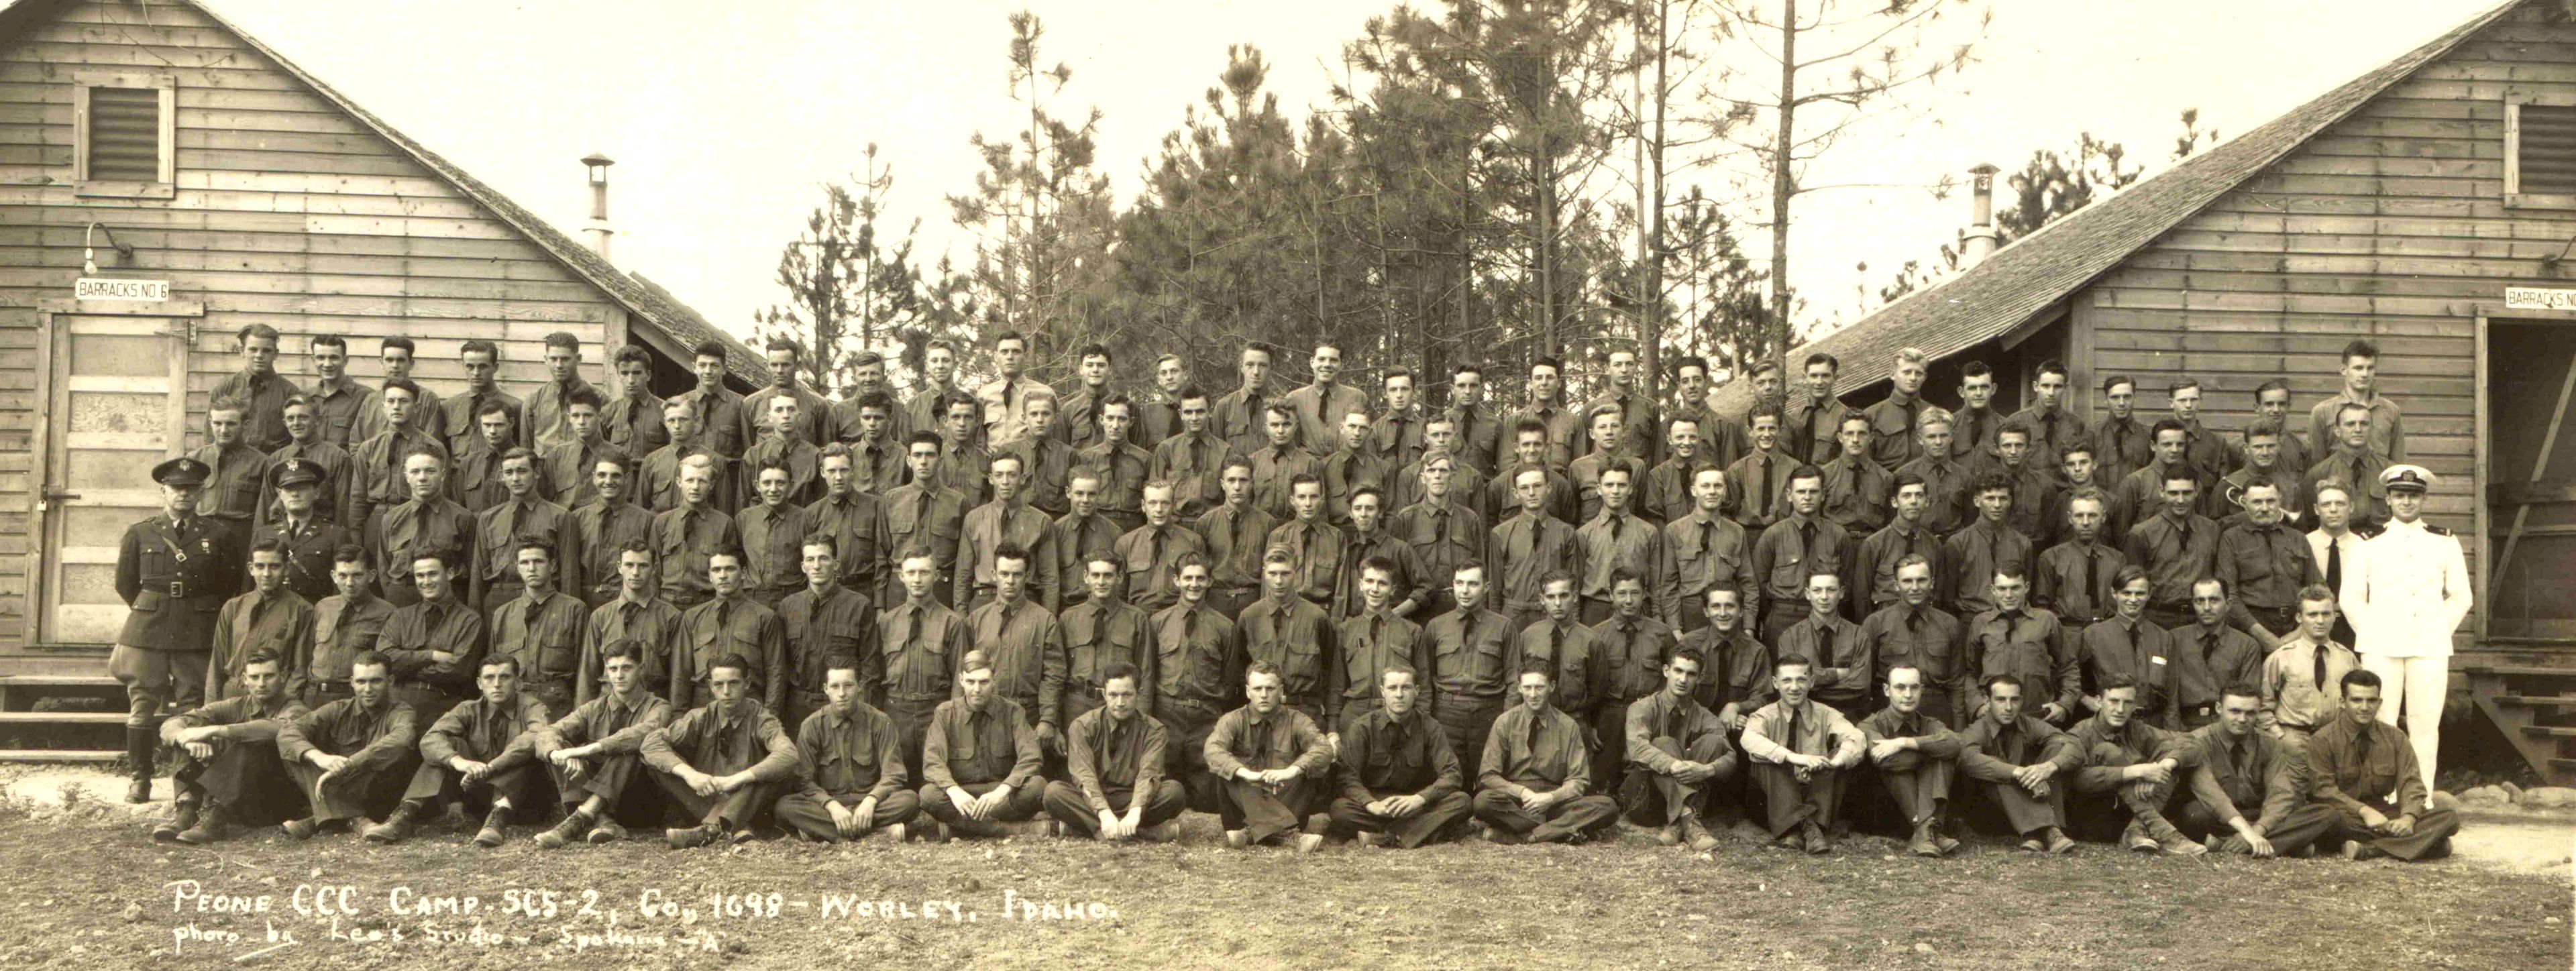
262 758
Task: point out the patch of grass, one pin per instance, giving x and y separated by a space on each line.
88 892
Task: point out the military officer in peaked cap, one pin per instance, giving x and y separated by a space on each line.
174 570
309 537
2408 595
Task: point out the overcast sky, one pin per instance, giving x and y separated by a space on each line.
724 120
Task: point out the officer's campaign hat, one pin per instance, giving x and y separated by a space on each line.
2407 478
183 471
298 472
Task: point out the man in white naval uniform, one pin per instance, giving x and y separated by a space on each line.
2409 593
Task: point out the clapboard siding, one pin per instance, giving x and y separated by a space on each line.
287 212
2389 225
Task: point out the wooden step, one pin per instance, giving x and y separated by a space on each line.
2550 731
58 681
2517 671
54 664
2535 701
62 717
58 755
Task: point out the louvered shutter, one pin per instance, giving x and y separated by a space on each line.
124 134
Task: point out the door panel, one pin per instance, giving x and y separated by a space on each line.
118 395
2531 512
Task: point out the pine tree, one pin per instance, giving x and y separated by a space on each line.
1040 212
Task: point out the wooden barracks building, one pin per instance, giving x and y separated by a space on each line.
183 152
2428 206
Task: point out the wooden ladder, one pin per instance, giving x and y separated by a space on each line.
2535 707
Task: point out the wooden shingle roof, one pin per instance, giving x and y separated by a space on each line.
2034 273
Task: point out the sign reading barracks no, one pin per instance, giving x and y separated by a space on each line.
2539 298
96 288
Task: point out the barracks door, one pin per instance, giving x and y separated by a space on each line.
2531 488
114 401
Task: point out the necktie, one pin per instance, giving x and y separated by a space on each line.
1807 539
2360 752
911 634
1994 552
1529 746
2236 758
921 510
2092 579
1824 643
1154 549
1614 517
2317 664
1762 484
2357 480
1795 724
2334 565
1556 644
1099 638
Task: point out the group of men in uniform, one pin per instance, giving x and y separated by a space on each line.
1304 611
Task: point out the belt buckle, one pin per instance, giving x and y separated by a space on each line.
178 589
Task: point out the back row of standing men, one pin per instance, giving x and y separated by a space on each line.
688 524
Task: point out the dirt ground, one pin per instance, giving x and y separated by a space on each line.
86 888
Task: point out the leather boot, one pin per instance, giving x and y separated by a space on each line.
396 827
141 744
183 817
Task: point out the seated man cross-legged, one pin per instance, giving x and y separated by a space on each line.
2131 769
1917 757
2246 772
980 758
1677 753
854 784
229 774
1273 760
595 752
721 765
1800 750
1400 777
1115 755
1536 771
2016 762
352 757
481 754
2366 770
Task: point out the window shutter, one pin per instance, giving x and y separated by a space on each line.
124 134
2548 149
